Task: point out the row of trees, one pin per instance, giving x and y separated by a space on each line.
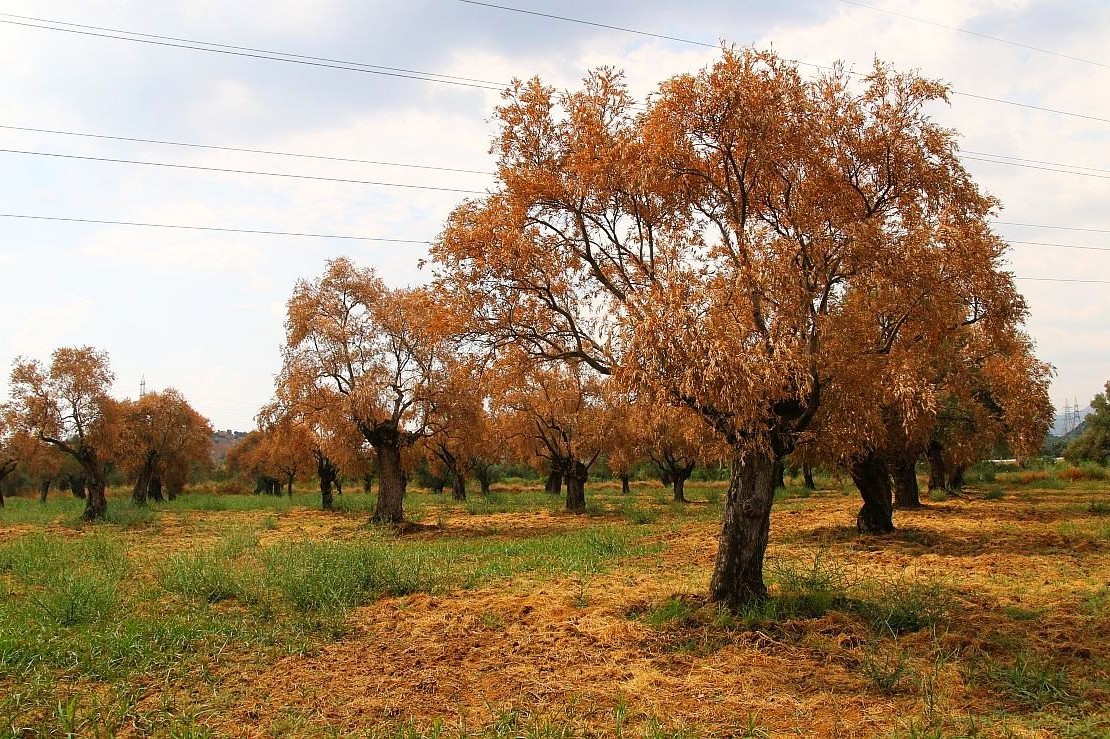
65 410
754 267
803 266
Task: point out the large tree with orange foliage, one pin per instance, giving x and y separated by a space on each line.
375 349
749 243
68 406
161 437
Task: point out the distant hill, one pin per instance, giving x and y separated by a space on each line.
222 443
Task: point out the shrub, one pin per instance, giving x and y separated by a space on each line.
1031 681
810 589
909 605
78 598
205 577
640 515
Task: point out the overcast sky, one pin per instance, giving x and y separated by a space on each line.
203 311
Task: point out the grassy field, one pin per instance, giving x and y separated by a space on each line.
985 615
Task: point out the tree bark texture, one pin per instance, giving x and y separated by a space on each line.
738 571
329 475
554 480
577 474
907 494
873 480
458 485
938 471
391 484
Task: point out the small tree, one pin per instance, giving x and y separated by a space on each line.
375 350
161 437
68 406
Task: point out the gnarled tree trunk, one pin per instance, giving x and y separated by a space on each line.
738 571
955 481
577 474
329 474
807 477
391 483
144 478
44 489
938 471
458 485
680 473
96 499
780 475
172 489
907 494
873 480
554 482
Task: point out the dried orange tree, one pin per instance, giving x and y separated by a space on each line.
161 437
993 394
68 406
556 412
375 350
750 243
459 437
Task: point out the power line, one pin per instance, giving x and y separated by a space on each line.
1057 228
1036 166
970 155
1059 246
242 171
1062 279
693 42
976 33
1035 161
214 228
243 51
240 149
419 241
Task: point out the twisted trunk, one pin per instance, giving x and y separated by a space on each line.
44 489
938 471
780 475
391 481
577 474
144 478
156 489
907 494
554 479
873 480
738 571
329 475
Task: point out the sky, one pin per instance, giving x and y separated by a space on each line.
203 311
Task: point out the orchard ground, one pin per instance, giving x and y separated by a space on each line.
985 615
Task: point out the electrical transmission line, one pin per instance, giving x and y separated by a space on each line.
693 42
242 171
264 232
267 232
240 149
976 34
246 51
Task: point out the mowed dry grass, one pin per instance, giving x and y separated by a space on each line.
1026 581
